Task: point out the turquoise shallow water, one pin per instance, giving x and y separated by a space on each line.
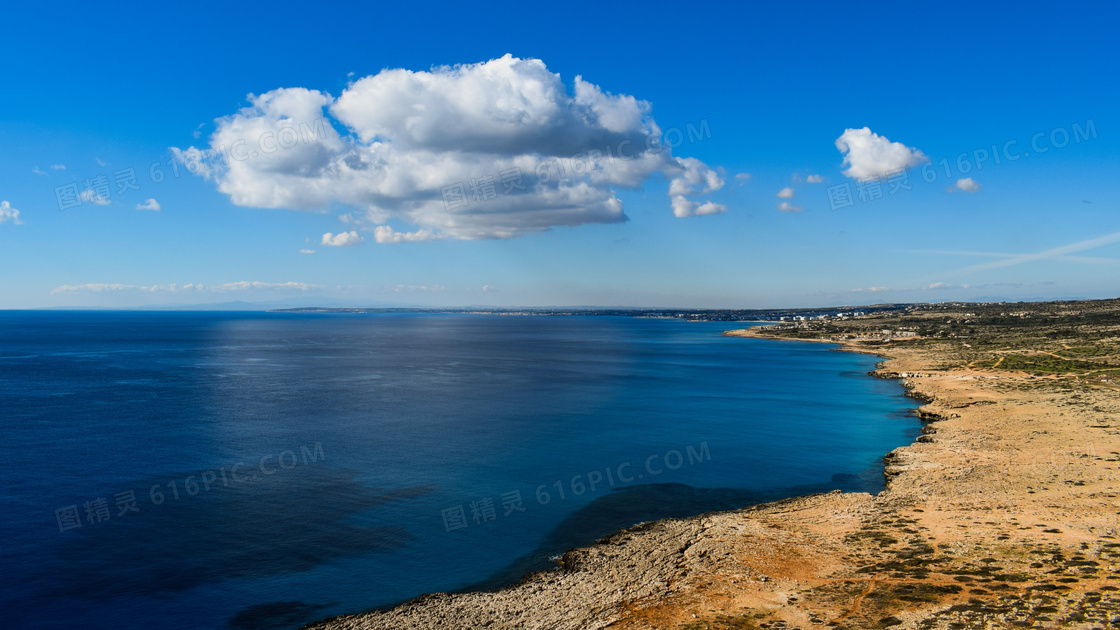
253 470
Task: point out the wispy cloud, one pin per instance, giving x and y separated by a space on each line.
150 204
386 234
797 178
945 286
1049 254
1099 260
93 287
246 285
936 286
91 196
243 285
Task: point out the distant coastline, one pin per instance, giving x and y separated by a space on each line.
693 314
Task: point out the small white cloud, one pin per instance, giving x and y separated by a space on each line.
870 290
709 207
342 239
99 162
696 177
815 179
968 185
403 288
58 167
785 193
8 213
871 156
38 171
683 208
307 251
786 206
92 197
150 204
488 289
385 234
742 178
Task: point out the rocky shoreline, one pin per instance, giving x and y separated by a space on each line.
1004 513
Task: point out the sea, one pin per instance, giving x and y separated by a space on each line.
265 470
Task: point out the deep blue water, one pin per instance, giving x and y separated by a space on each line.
289 467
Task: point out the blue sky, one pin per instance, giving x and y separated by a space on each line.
768 89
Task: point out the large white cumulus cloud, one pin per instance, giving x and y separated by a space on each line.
488 150
871 156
